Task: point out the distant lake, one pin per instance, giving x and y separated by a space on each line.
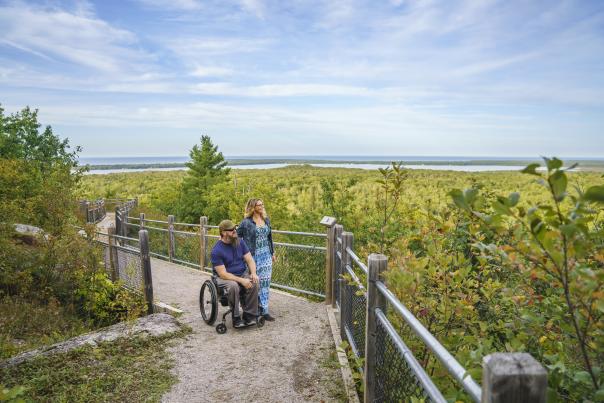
107 165
461 168
360 158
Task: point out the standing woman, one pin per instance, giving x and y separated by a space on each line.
255 229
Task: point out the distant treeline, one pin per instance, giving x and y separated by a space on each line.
238 161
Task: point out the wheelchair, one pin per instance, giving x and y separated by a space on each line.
209 295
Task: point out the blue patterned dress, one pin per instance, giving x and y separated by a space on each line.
264 266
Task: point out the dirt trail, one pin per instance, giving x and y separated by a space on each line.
289 360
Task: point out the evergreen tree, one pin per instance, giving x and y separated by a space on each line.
207 169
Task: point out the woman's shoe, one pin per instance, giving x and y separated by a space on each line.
267 317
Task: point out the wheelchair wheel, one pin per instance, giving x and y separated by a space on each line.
208 302
221 328
260 321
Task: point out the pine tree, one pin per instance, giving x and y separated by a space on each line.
207 168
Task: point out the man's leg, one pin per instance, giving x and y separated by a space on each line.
250 303
232 292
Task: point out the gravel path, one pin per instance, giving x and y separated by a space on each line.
289 360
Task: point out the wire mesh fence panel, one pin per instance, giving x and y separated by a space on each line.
300 268
128 267
338 276
354 306
395 380
187 247
210 242
106 257
159 242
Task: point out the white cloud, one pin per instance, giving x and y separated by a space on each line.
255 7
210 71
63 36
278 90
183 5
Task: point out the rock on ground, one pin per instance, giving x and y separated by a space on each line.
155 325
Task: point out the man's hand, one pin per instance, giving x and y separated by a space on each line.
246 283
255 278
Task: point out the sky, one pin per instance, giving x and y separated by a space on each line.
304 77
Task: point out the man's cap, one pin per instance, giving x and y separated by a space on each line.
226 225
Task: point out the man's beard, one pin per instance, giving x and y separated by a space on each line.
233 239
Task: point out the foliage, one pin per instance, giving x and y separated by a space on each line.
557 249
338 199
126 370
391 190
36 179
356 365
207 169
26 325
12 395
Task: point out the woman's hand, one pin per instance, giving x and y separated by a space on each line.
274 258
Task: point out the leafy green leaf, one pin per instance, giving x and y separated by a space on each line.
553 163
558 181
595 194
513 198
459 199
531 169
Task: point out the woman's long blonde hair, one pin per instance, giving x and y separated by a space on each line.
249 208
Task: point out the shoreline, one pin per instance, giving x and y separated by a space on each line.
591 164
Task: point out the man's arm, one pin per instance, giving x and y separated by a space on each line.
251 264
225 275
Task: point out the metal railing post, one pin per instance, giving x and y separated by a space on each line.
513 377
345 307
203 231
171 238
376 265
143 237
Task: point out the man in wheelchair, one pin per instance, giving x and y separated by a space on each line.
230 256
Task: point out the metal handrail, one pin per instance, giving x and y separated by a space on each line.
184 224
157 229
452 365
355 278
188 233
116 236
427 384
298 246
357 260
316 234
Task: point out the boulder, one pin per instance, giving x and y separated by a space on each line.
155 325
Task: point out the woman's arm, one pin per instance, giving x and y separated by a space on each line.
270 237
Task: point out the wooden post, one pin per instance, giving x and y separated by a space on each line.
203 231
376 265
83 209
143 237
142 221
513 377
171 237
113 262
117 220
337 268
329 222
345 308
